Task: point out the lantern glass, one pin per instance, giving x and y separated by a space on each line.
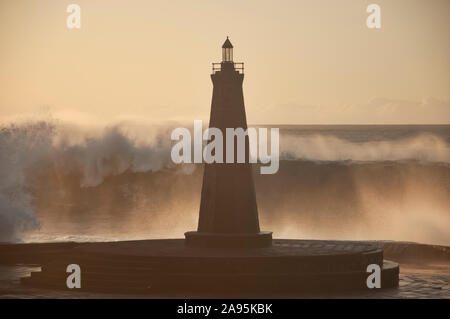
227 54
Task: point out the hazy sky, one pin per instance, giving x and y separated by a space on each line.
311 61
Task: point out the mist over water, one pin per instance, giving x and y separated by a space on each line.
63 181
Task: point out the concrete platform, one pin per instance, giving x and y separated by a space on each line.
152 266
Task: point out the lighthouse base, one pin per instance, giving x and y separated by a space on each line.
154 266
226 240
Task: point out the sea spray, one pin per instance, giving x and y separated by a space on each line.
22 147
28 147
423 147
118 182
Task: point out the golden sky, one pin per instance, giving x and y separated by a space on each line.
311 61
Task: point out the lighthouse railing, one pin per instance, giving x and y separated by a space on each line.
238 66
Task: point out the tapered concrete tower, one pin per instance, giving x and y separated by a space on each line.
228 210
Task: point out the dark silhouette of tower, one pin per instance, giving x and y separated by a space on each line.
228 210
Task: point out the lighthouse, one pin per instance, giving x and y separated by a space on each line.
228 211
227 252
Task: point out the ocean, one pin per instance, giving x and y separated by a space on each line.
61 181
